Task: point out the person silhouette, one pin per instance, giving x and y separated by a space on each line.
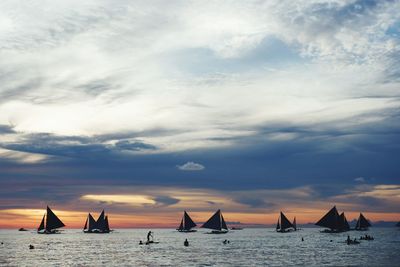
186 243
302 239
149 235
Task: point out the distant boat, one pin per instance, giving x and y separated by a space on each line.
236 228
100 226
50 223
186 224
294 224
216 223
22 230
362 223
284 225
331 220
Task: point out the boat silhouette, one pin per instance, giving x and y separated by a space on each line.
187 224
334 222
216 223
50 223
362 223
99 226
284 225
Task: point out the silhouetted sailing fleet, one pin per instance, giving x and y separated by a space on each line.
338 223
332 221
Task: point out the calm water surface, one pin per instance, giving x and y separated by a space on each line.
249 247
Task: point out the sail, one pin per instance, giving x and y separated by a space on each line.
107 227
41 226
223 223
215 222
362 222
188 222
92 223
278 225
86 224
101 222
285 223
294 224
52 221
180 228
343 223
330 220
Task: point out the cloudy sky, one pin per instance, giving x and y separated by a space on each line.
147 108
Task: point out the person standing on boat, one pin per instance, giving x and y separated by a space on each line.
149 234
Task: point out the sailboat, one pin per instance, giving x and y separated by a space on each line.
331 220
216 223
186 224
362 223
284 225
100 226
50 223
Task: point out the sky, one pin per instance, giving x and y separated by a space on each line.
149 108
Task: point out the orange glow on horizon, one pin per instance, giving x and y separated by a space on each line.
30 218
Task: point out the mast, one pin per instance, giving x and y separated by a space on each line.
343 223
107 227
180 228
278 225
223 223
101 222
92 223
41 226
86 223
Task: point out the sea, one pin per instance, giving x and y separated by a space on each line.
247 247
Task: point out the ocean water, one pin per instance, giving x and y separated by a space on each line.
248 247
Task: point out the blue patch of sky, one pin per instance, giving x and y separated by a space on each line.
270 53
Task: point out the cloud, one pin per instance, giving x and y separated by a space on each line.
278 90
359 179
166 200
191 166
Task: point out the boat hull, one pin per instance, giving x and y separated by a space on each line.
187 231
216 232
52 232
96 232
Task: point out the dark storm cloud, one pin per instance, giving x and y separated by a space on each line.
72 146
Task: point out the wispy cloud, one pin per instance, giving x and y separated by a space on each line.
191 166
